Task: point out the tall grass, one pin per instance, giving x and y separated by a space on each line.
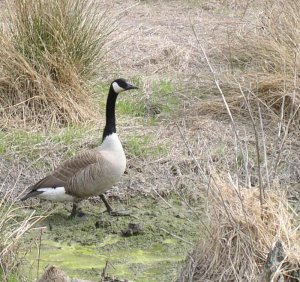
241 237
262 52
49 52
13 224
248 209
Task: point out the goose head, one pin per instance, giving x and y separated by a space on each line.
119 85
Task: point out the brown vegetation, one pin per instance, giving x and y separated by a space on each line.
262 54
49 52
240 235
13 225
260 81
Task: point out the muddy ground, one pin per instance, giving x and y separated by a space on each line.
150 245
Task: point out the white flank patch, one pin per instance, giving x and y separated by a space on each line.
117 88
55 194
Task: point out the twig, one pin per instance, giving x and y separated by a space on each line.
39 254
264 145
282 144
217 83
260 182
104 271
169 205
190 150
291 118
175 236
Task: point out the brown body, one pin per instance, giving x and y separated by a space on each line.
87 174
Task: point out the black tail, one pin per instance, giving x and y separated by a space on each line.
31 194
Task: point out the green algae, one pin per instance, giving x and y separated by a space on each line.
82 250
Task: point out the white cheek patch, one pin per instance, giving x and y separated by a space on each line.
117 88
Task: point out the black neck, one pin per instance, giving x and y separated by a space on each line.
110 126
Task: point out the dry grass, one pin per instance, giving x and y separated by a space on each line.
244 223
262 54
241 234
49 52
13 224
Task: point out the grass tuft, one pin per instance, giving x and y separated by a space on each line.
241 235
263 58
49 52
13 225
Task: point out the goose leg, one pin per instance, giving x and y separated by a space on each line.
107 205
110 210
76 211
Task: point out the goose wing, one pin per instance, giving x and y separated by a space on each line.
66 173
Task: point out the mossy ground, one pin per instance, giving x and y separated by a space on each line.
82 250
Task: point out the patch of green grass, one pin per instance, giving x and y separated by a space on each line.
32 145
24 145
164 96
162 99
143 146
70 138
10 278
68 135
131 107
19 141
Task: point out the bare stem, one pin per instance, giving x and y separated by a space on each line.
260 182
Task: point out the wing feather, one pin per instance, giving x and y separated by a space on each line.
87 182
68 169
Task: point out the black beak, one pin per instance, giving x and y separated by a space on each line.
130 86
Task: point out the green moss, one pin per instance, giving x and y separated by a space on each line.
81 249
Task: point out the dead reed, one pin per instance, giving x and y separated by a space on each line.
241 234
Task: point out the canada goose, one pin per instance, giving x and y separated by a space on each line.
92 172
